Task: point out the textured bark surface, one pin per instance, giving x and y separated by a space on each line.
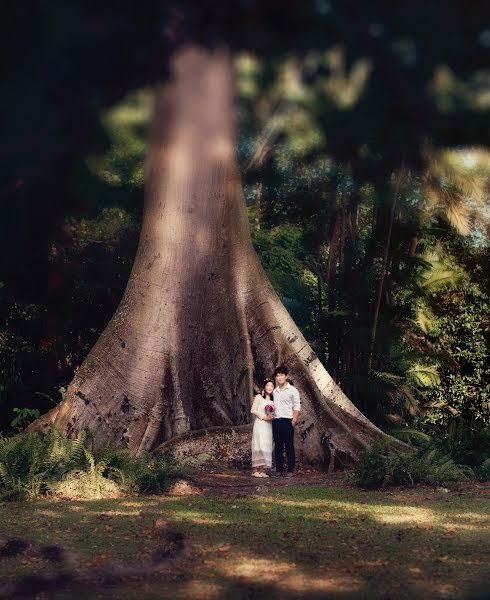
200 326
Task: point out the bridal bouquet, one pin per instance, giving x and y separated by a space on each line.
269 409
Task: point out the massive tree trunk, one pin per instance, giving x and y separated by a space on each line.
199 325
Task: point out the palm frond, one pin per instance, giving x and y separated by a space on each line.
424 375
410 435
424 320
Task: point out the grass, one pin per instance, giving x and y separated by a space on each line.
292 542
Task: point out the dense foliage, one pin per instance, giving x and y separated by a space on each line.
463 452
32 465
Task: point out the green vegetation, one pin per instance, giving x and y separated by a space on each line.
306 542
47 463
379 467
38 464
462 453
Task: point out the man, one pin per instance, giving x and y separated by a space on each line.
287 407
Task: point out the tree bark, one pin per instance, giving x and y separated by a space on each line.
259 190
199 325
331 282
381 283
348 280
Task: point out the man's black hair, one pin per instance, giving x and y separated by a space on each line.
281 369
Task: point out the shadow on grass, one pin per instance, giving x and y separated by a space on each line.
308 543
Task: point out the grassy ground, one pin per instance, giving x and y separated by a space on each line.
295 542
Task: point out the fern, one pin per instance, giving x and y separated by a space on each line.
379 466
466 441
90 483
410 435
483 471
32 465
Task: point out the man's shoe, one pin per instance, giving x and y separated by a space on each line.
289 474
276 474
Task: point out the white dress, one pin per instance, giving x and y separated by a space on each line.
261 435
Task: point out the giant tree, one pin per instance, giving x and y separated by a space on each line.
199 325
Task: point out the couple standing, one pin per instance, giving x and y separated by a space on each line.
276 412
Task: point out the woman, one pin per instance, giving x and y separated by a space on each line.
262 430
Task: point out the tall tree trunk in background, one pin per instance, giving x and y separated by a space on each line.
331 282
319 290
199 325
381 283
414 242
350 277
259 191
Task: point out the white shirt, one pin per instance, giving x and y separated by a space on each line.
286 401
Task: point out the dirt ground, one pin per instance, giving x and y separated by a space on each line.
213 478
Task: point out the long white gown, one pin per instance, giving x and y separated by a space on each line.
261 434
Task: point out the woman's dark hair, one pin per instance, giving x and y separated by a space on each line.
281 369
266 381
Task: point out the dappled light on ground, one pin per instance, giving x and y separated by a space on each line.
279 543
287 576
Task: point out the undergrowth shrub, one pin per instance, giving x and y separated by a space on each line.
43 463
379 467
483 471
448 458
467 442
147 473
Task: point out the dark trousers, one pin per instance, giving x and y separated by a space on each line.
283 433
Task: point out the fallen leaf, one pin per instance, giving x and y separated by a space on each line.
160 523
